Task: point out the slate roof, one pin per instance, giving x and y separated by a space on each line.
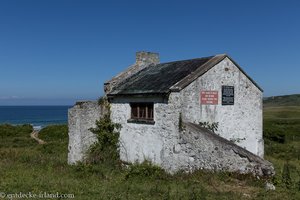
167 77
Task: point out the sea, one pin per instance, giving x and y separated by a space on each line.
37 116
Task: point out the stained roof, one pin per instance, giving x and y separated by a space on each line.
166 77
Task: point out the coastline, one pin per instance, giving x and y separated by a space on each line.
37 116
34 127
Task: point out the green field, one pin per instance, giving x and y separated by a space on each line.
27 166
282 143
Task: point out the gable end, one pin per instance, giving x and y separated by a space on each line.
203 69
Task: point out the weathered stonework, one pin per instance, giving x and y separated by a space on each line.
81 118
139 142
199 148
237 145
241 122
194 148
143 60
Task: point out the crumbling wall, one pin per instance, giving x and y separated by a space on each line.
81 118
199 148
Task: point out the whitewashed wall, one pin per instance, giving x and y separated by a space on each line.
241 121
153 142
81 118
163 144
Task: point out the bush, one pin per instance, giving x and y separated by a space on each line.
106 150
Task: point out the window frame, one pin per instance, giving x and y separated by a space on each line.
136 114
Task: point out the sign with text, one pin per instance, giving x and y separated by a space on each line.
209 97
227 95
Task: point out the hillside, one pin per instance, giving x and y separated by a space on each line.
282 120
286 100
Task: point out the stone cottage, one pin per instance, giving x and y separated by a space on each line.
162 108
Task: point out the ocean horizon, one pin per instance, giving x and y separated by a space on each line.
38 116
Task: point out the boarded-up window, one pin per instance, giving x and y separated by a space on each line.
142 111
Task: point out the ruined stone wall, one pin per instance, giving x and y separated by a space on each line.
241 122
199 148
81 118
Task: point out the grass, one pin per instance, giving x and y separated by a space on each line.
282 144
27 166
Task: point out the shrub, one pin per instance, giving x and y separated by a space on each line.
106 150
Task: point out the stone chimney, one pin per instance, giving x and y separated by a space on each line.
143 59
146 58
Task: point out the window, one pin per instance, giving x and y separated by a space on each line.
141 111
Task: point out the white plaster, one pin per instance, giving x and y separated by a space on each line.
139 142
163 144
81 118
243 120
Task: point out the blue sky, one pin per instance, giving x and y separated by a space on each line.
59 51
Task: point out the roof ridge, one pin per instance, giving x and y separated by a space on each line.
198 72
206 57
170 76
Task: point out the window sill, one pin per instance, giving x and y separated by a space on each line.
140 121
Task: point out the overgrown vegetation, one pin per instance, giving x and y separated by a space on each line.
106 150
103 101
27 166
210 126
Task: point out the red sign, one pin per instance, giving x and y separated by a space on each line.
209 97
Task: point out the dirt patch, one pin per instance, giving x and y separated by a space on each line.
35 135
